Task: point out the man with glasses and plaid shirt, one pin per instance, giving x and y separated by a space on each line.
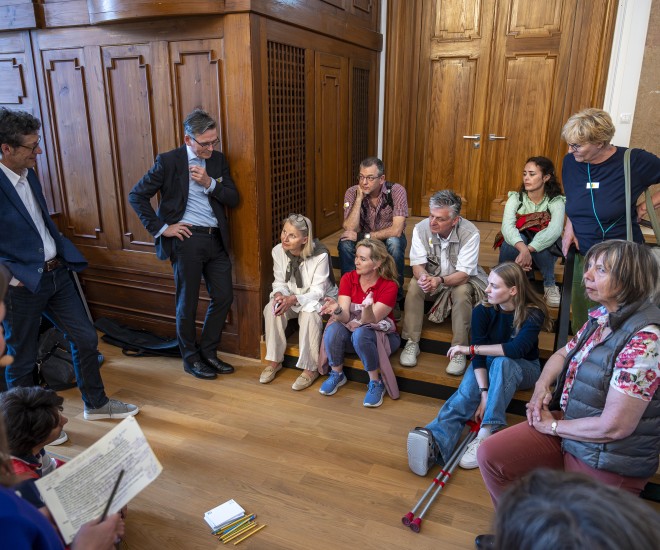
191 230
39 259
375 209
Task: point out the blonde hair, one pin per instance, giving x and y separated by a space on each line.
525 299
589 126
632 267
378 252
304 225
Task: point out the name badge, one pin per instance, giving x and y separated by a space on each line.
593 184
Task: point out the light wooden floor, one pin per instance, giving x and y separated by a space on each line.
321 472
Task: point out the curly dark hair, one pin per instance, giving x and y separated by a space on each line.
16 124
30 414
552 187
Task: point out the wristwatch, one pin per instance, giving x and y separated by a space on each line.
338 311
482 390
367 235
553 427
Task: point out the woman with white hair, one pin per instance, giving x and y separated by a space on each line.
303 278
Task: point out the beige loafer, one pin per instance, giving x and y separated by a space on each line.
268 374
303 381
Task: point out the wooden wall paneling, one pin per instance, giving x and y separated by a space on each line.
197 78
331 132
244 146
64 13
287 123
402 82
18 15
132 131
452 97
74 142
349 21
361 109
18 90
104 11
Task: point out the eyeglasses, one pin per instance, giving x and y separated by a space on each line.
297 218
34 147
206 144
370 179
575 146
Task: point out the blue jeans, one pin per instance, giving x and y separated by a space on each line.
396 246
543 260
58 300
505 377
339 341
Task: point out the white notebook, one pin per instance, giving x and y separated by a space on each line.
225 513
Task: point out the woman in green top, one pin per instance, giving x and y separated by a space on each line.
532 222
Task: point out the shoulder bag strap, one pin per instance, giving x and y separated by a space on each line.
652 216
626 172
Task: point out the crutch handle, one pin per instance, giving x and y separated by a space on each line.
407 518
474 426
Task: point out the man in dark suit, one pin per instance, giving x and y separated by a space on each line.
191 230
39 259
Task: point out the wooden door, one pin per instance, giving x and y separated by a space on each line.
331 143
492 82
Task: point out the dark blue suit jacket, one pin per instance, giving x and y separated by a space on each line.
170 177
21 247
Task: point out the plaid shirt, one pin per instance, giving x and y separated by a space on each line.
375 218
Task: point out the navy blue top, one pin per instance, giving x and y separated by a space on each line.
491 325
610 196
23 527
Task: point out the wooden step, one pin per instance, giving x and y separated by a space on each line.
428 378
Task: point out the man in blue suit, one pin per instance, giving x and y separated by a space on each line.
39 259
191 230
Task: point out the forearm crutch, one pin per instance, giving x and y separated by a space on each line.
440 480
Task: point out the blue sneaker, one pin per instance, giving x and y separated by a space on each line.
332 383
375 393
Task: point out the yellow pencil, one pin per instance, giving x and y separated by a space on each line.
227 525
234 525
250 534
239 532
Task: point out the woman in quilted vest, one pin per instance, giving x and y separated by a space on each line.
603 417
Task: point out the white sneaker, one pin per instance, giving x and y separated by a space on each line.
552 296
457 365
409 354
469 459
62 438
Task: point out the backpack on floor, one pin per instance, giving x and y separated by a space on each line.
136 342
54 361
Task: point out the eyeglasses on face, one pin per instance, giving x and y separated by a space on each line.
575 146
34 147
370 179
206 144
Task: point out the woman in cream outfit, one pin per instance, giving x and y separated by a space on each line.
303 278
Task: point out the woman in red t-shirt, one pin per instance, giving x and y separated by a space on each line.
361 320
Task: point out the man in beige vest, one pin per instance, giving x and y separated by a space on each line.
443 255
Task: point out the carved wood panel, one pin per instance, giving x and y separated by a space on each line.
360 105
331 130
197 71
128 82
74 143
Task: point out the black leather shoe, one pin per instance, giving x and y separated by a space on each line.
200 369
484 542
218 365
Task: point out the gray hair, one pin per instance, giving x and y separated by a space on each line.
16 124
374 161
198 122
304 225
446 199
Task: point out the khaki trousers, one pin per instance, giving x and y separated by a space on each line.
309 336
461 312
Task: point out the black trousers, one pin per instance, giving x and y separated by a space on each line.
201 255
